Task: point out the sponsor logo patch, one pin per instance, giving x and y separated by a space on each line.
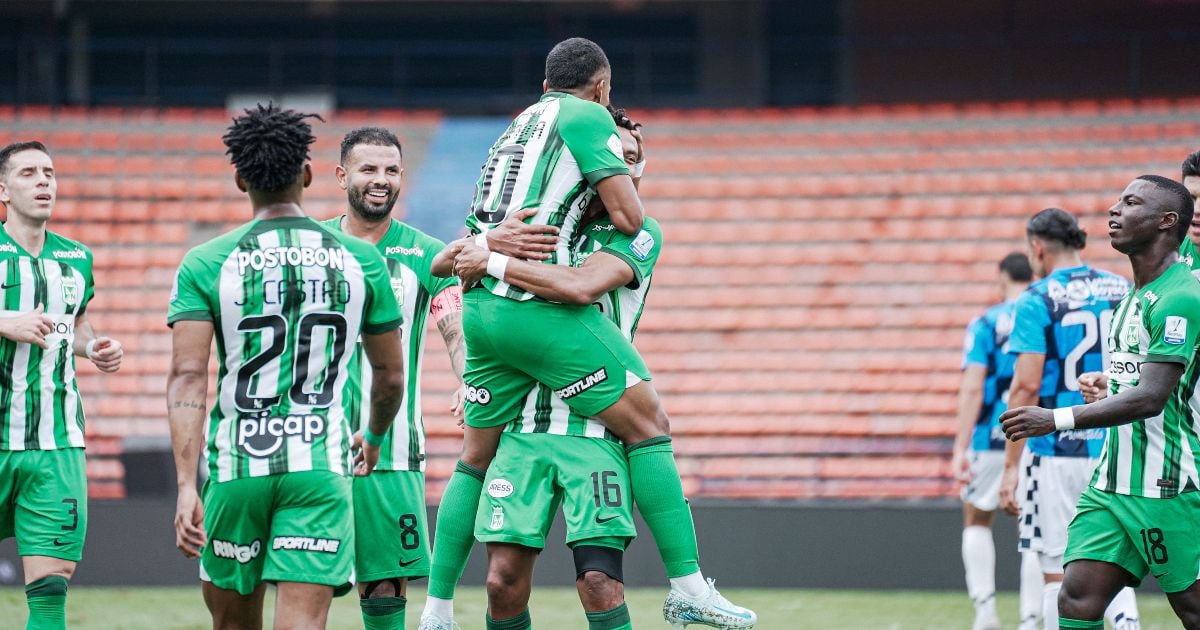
642 245
74 254
478 395
500 488
583 384
306 543
259 259
234 551
262 436
8 248
403 251
1176 330
1150 296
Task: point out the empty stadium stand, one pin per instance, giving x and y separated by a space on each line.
807 316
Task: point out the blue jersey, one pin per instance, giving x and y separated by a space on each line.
987 345
1066 316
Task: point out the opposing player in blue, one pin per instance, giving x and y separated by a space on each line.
1058 334
978 459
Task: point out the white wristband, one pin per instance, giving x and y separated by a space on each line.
638 169
481 241
497 264
1064 419
90 347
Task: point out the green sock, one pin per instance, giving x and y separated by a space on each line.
383 613
654 482
520 622
613 619
455 533
47 599
1063 622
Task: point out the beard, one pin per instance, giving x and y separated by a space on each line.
368 209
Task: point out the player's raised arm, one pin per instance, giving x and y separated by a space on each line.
624 206
557 283
187 393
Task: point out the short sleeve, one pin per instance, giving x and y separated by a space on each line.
89 284
639 251
433 284
1030 321
591 135
1173 324
382 311
979 343
188 301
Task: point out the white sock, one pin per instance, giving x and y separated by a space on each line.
1050 605
1031 591
979 560
1122 611
441 608
691 585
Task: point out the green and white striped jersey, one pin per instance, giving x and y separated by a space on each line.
544 412
1155 457
1189 256
288 297
408 253
549 158
39 401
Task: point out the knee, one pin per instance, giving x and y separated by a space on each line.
392 587
1074 602
505 584
599 591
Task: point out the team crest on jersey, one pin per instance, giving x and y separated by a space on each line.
1132 336
1176 330
398 290
70 291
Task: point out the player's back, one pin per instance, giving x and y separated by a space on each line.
1066 316
987 345
288 298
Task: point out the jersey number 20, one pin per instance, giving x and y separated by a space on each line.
304 348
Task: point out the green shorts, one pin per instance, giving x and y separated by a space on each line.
43 501
1140 535
533 473
512 345
292 527
390 526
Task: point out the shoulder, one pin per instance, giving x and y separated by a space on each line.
576 111
65 249
333 224
427 244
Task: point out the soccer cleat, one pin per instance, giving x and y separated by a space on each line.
710 609
986 622
434 622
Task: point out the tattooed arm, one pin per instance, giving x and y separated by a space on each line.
187 393
446 309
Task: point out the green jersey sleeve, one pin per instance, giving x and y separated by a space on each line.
433 284
382 310
89 282
1173 324
188 299
590 134
639 251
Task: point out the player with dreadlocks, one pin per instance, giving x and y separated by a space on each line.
286 299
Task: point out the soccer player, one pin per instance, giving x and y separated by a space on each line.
1188 253
390 530
1057 331
1141 511
550 455
548 164
45 287
978 459
286 298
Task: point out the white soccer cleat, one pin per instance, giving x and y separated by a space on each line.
434 622
710 609
986 622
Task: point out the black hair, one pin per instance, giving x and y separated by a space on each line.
269 146
1016 267
1057 225
7 152
374 136
621 117
1179 202
1191 165
574 63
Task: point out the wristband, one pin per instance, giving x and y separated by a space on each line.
1064 419
497 264
481 242
371 438
638 169
90 348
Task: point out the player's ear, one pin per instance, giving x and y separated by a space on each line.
1168 221
241 183
339 172
545 86
307 174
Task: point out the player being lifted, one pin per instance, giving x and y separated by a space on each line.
1057 331
978 460
390 531
551 456
286 298
45 287
547 166
1141 511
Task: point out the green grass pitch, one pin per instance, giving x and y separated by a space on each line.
557 608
